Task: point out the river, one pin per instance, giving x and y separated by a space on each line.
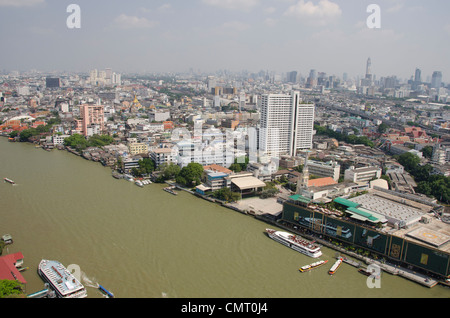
146 243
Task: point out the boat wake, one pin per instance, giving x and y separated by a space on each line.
88 282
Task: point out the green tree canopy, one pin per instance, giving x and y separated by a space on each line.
10 289
190 175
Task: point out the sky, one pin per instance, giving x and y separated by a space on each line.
329 36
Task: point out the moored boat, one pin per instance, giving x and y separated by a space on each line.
139 183
335 266
312 266
61 280
170 190
295 242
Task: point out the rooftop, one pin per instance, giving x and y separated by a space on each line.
245 183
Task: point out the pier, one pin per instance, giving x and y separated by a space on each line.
392 269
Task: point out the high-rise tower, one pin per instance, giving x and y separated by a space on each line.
436 80
286 124
369 69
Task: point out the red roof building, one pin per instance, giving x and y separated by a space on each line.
8 269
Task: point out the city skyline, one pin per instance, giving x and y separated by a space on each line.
208 35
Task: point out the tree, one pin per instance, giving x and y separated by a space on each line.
427 151
235 167
382 128
190 175
242 161
76 141
27 134
168 171
227 195
11 288
409 160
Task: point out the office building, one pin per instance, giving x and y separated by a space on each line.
286 124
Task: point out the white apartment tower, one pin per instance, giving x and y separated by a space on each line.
286 124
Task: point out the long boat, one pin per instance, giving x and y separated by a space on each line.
105 291
335 266
295 242
9 180
312 266
61 280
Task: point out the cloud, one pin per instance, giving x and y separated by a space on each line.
132 22
165 7
232 4
317 15
20 3
270 22
235 26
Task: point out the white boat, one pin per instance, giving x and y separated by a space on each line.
139 183
61 280
335 266
295 242
9 181
312 266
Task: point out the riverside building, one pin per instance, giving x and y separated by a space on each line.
286 124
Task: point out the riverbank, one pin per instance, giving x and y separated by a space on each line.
266 218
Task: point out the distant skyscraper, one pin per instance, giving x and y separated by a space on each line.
292 77
285 125
417 79
312 79
418 76
369 70
52 82
436 80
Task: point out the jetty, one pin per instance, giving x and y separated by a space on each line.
45 293
351 262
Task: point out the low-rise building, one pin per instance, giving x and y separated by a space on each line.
324 169
163 155
363 174
138 148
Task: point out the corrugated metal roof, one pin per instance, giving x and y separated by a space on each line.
364 214
298 197
347 202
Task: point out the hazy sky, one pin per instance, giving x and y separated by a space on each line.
207 35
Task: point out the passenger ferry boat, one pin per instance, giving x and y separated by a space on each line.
312 266
295 242
61 280
336 265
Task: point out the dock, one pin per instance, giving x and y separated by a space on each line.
408 274
351 262
45 293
